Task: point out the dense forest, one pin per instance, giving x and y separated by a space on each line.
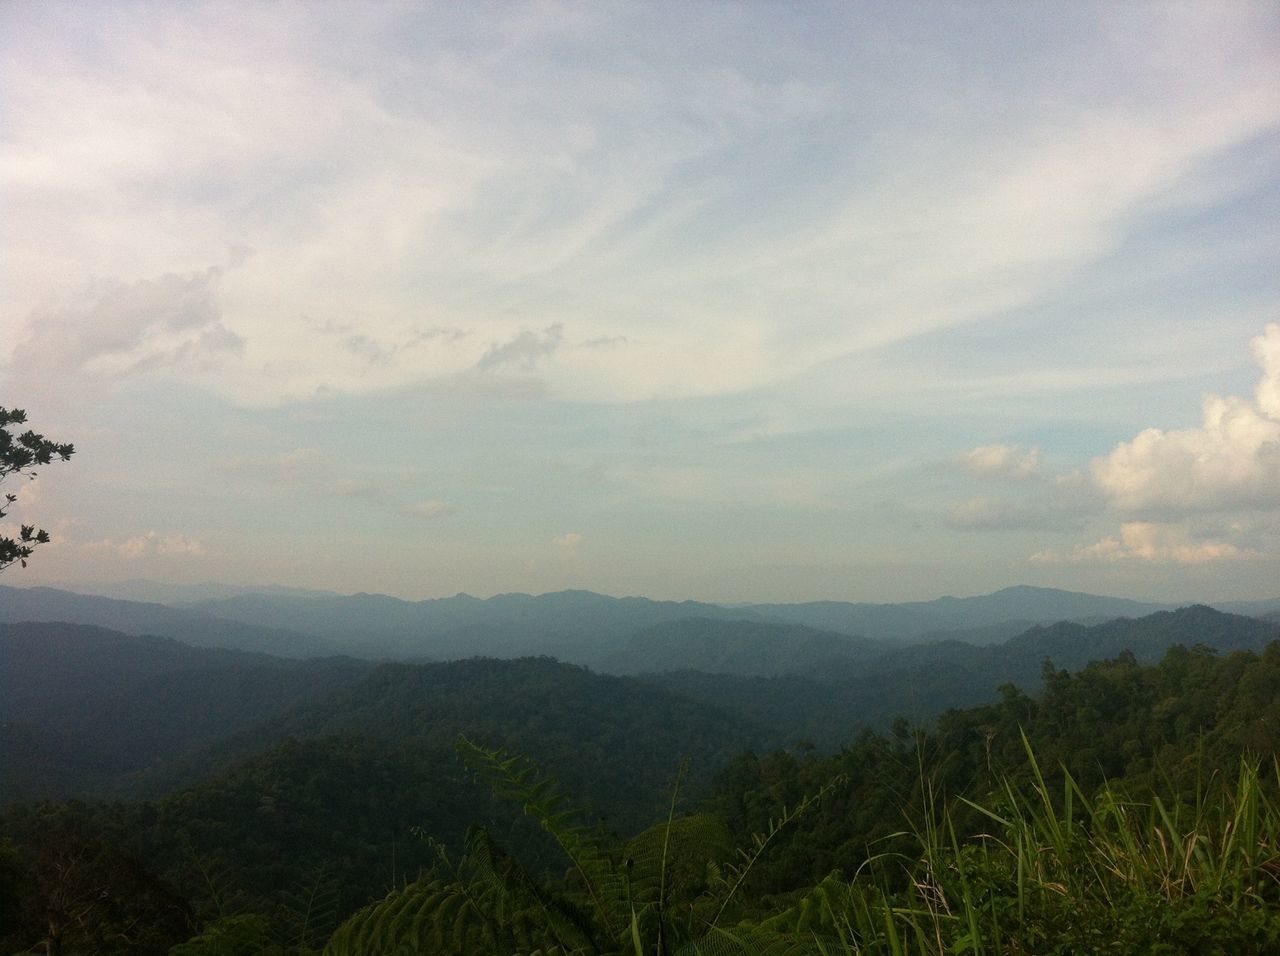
1075 789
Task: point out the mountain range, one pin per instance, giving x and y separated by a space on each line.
583 627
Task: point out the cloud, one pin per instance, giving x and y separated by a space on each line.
567 543
1266 348
991 514
1149 542
295 466
147 544
1232 461
428 509
1002 461
524 350
118 328
702 192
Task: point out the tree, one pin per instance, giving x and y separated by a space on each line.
18 455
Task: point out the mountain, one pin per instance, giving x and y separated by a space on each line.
598 730
161 592
737 647
829 702
915 620
335 797
578 626
84 710
90 712
133 617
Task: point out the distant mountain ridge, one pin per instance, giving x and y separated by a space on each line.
827 702
581 627
87 710
1023 604
578 626
133 617
747 648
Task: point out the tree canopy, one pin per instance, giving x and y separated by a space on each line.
19 453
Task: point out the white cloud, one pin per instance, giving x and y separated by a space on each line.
1266 348
568 543
1002 461
1231 461
428 509
1149 542
147 544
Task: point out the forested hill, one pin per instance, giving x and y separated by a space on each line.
84 710
92 713
273 854
616 738
738 647
134 617
826 703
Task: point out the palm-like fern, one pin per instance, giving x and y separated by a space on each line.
664 892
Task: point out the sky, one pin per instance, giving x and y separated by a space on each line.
723 301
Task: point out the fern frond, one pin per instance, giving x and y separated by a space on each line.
518 779
733 875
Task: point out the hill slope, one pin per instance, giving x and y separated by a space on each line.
134 617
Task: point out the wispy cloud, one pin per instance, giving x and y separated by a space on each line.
524 350
1002 461
724 215
111 327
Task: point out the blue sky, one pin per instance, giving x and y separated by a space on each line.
719 301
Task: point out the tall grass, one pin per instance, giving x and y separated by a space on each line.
1058 871
1035 869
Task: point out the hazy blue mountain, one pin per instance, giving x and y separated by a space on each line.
830 701
736 647
133 617
1262 609
1023 605
161 592
590 628
578 626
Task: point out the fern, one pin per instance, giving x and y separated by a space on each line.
518 779
733 875
667 890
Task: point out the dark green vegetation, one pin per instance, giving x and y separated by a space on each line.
273 804
19 454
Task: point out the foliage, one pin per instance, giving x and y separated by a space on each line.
1126 810
668 890
18 455
77 892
